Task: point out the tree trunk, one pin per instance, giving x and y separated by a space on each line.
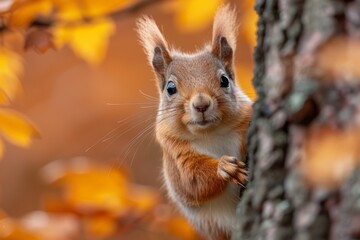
305 96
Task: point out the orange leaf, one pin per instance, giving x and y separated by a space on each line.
175 224
100 226
79 179
142 198
24 12
16 128
39 39
10 69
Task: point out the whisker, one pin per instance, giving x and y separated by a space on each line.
129 129
128 104
139 137
150 106
102 139
148 96
108 136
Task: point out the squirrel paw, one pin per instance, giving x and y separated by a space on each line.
232 169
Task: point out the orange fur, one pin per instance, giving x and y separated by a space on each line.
225 25
150 37
202 151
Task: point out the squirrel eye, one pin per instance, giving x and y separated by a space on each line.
224 81
171 88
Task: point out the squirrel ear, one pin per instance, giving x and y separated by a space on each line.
224 36
155 46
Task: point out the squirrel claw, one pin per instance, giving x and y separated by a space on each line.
232 169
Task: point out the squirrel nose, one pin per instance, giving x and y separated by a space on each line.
201 107
201 102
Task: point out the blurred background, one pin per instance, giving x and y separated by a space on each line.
94 172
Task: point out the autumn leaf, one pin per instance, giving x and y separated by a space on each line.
88 40
194 15
24 12
109 195
10 69
177 225
67 11
141 198
16 128
100 225
80 177
114 201
38 39
180 227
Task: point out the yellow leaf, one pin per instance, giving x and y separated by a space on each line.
88 40
10 68
16 128
196 14
24 12
68 10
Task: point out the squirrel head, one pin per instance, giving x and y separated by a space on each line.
198 91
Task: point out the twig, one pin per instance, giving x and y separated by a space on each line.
134 8
131 9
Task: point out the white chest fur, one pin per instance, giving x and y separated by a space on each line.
217 145
219 211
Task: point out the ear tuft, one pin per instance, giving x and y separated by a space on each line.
225 25
154 43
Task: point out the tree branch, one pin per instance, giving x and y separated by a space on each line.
131 9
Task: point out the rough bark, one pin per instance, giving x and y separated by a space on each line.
292 97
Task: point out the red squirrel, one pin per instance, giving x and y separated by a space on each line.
201 124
